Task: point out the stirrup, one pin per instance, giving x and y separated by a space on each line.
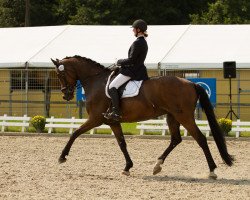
112 116
106 115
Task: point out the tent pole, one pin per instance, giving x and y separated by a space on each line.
238 91
159 68
10 94
26 87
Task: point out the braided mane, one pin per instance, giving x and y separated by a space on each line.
89 61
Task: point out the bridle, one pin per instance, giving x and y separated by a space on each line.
69 89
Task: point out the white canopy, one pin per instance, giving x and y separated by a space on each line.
105 44
19 45
180 46
208 46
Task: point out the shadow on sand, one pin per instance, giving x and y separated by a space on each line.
197 180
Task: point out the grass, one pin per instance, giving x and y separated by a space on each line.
128 129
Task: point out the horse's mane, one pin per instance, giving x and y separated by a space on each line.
89 61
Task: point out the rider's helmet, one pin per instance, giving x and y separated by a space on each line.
141 24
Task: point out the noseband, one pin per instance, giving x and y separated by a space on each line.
67 89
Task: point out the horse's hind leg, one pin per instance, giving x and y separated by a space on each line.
117 130
174 128
195 132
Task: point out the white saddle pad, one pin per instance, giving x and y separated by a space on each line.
131 89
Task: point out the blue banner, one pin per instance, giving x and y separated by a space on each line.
209 84
80 94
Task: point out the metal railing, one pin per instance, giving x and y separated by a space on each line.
37 92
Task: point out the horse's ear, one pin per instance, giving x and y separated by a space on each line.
55 62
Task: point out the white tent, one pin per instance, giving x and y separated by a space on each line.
180 46
105 44
208 46
35 46
19 45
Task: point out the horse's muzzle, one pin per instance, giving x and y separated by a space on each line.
68 98
68 93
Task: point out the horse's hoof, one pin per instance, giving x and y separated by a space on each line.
212 175
127 173
157 167
62 160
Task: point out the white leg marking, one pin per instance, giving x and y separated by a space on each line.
212 175
125 173
157 167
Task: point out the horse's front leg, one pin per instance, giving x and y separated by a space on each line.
117 130
82 129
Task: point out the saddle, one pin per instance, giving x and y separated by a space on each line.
128 89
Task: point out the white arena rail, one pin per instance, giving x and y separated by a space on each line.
71 124
7 121
157 125
153 125
240 126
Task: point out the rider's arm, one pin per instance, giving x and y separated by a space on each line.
134 51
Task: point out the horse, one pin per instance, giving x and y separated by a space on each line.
162 95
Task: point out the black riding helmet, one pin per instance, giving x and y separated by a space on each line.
141 24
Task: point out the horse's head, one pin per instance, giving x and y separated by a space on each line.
67 78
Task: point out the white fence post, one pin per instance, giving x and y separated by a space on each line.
50 128
23 127
237 134
207 133
3 127
71 129
92 131
185 133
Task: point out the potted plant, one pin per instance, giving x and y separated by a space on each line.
225 125
38 122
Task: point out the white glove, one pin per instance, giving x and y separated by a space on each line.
116 60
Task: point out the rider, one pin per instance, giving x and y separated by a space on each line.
132 68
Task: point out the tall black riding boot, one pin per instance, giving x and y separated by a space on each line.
115 113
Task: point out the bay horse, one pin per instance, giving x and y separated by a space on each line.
173 96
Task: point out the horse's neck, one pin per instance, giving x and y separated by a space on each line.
96 83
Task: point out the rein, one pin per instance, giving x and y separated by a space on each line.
68 88
89 77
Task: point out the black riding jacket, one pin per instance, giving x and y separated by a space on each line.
134 66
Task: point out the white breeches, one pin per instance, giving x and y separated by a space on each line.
118 81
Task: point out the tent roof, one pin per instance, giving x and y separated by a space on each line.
19 45
208 46
179 46
105 44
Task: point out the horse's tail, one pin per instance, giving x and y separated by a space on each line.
215 129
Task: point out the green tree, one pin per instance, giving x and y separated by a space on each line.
224 12
155 12
97 12
173 11
101 12
64 10
12 13
42 12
